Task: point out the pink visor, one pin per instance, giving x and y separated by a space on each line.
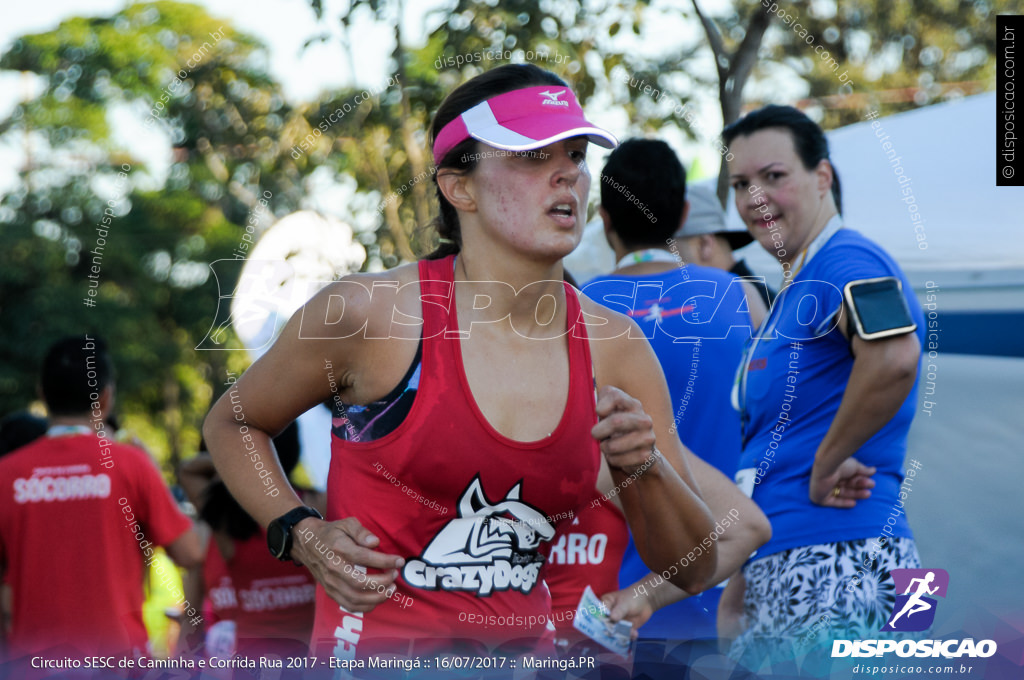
522 120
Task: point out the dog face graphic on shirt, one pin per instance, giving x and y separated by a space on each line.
489 546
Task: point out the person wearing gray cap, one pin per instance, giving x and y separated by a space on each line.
706 239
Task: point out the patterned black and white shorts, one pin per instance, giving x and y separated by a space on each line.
798 598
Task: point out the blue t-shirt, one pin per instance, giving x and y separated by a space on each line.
797 373
696 320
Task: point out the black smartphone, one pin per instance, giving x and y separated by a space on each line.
878 308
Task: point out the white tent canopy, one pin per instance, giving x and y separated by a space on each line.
948 152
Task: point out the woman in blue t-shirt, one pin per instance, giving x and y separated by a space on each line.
825 413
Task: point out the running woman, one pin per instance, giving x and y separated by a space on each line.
466 426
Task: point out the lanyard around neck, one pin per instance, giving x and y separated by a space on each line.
831 227
647 255
739 396
67 430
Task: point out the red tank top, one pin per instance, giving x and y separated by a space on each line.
586 551
273 600
471 511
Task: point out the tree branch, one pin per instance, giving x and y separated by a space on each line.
714 39
742 62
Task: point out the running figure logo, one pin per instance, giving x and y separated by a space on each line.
488 547
914 610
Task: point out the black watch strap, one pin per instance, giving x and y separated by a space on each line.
279 533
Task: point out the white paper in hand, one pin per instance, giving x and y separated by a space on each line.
592 620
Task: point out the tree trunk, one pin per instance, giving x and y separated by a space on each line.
731 101
413 149
379 163
733 72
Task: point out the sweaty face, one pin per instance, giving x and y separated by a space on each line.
782 203
532 201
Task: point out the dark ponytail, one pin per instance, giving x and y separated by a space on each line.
463 157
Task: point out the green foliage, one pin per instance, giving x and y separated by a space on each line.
573 40
385 145
908 49
199 81
897 55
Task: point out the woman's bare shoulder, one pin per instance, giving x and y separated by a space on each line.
619 349
607 325
358 302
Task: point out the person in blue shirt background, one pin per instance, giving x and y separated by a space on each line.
825 412
697 320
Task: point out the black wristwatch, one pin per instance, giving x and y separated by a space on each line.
279 533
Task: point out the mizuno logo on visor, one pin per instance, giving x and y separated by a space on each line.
522 120
552 98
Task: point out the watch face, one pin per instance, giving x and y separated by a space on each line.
277 539
279 533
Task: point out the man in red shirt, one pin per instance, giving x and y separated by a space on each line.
80 517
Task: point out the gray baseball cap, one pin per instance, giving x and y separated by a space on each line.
707 217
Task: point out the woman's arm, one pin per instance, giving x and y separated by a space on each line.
661 500
740 529
883 375
284 383
730 609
